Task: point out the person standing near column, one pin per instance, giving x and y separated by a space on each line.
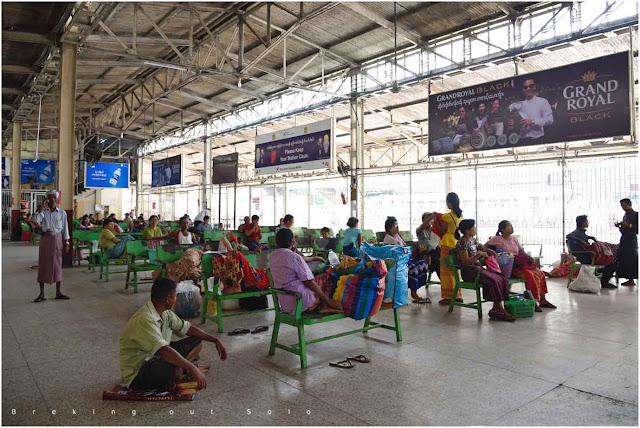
628 249
53 243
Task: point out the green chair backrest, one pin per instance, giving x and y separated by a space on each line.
265 229
165 256
137 248
272 241
242 238
265 237
76 223
207 263
214 235
123 225
368 236
298 231
82 235
25 227
380 237
406 235
341 233
339 245
252 259
93 235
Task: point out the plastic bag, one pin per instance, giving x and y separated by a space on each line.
586 282
492 264
505 260
397 280
188 301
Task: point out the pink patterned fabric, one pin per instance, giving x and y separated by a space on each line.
50 259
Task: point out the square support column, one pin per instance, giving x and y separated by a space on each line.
66 140
16 193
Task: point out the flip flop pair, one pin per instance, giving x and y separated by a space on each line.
347 364
238 331
421 300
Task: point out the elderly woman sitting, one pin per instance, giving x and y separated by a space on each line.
113 246
495 286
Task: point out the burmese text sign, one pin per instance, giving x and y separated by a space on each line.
106 175
581 101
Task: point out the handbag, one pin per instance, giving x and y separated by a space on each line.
492 264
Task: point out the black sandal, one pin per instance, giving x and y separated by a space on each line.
238 331
39 299
62 297
360 359
259 329
345 364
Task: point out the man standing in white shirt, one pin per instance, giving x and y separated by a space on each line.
536 113
53 244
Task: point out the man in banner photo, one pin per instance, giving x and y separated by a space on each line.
536 113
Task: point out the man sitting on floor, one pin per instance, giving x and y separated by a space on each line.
578 241
148 360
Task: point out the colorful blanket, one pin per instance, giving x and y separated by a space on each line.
361 293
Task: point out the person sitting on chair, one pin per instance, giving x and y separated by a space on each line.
578 242
495 286
254 234
113 246
148 358
184 236
290 272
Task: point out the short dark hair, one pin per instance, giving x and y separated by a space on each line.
579 220
206 218
152 217
625 201
255 217
107 220
388 224
161 288
284 238
325 229
352 222
287 218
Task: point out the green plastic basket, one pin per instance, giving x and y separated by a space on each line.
520 308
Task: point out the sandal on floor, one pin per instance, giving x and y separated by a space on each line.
537 308
444 302
259 329
360 359
460 300
238 331
62 297
421 300
39 299
548 305
345 364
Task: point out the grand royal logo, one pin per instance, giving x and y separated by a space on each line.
591 90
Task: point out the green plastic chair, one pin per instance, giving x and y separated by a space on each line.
81 241
207 270
214 235
271 240
380 237
242 238
123 225
266 236
460 284
407 236
368 236
165 257
138 261
299 320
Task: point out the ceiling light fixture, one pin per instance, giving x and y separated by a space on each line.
165 65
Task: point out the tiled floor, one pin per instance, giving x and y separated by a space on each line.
576 365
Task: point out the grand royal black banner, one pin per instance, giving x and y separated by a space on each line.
581 101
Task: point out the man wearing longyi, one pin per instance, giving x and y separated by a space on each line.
148 358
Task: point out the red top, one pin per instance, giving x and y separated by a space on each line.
255 236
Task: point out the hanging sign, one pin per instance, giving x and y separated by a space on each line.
303 148
166 172
581 101
37 171
106 175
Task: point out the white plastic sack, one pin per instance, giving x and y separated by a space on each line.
586 282
188 301
94 246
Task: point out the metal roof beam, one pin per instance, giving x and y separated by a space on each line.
25 37
402 30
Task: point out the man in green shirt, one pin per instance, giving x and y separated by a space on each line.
148 358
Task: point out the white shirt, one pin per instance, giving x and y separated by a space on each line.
537 109
183 240
481 122
203 213
55 221
394 240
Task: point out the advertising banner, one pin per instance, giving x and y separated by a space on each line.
581 101
6 182
166 172
106 175
4 164
303 148
37 172
225 169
